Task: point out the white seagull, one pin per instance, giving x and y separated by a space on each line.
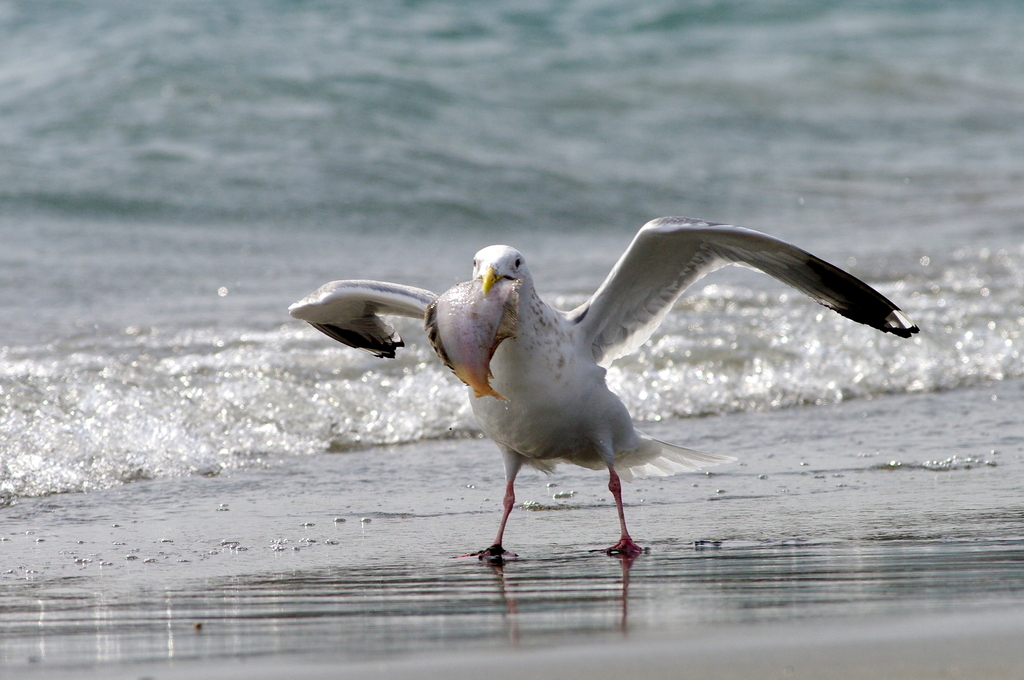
537 374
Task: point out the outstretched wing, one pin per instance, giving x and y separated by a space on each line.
671 253
350 312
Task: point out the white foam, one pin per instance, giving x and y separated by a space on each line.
97 411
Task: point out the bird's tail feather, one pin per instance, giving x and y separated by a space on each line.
658 458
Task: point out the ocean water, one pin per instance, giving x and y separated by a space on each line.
173 175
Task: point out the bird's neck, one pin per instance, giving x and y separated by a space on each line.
533 311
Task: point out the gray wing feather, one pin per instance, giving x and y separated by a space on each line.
351 311
671 253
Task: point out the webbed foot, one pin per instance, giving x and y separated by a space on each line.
625 548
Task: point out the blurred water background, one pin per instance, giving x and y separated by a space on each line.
174 174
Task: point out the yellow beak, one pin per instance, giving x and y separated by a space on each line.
489 278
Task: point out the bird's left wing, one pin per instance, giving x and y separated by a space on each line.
350 312
671 253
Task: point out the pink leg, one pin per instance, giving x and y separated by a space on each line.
495 553
510 502
625 546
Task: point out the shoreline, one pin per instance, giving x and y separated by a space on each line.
831 550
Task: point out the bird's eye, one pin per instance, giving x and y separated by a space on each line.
518 262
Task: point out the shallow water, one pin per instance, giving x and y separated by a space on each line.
846 523
101 406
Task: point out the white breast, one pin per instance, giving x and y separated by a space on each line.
558 407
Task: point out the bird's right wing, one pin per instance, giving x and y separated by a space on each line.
670 253
350 312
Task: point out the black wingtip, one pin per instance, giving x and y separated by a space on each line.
380 348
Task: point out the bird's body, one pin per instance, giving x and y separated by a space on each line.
557 406
570 414
537 374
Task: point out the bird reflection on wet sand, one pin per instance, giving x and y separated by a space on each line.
506 591
506 595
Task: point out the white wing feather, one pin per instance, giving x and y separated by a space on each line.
671 253
350 312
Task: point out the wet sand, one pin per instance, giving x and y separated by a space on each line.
876 538
974 646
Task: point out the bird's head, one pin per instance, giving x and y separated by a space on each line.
494 263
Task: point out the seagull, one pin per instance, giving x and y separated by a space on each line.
537 375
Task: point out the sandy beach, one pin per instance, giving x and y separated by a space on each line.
840 552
